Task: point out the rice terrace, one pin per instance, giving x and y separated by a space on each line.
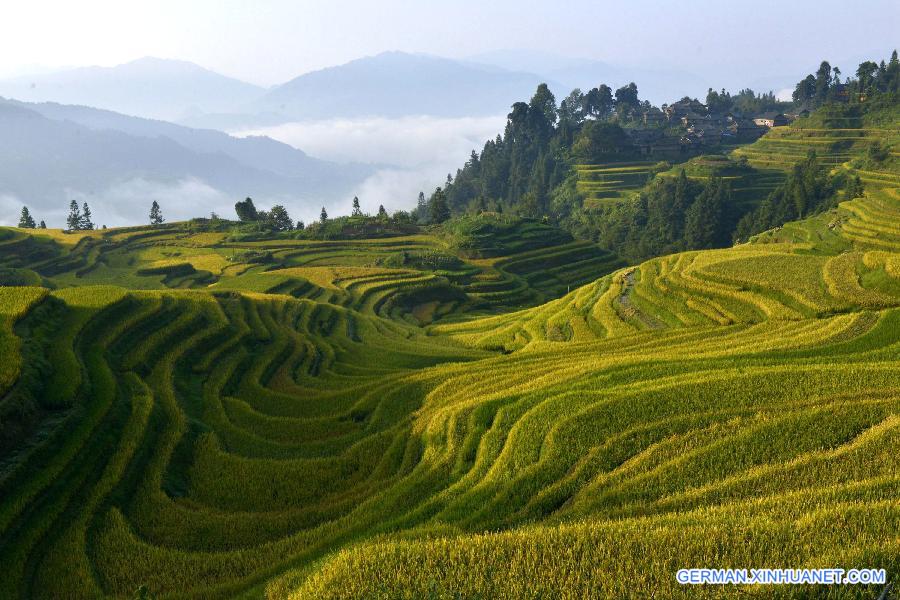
620 359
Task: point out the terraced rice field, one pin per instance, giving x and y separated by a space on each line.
611 182
783 147
333 422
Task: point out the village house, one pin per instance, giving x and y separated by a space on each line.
771 119
677 110
746 130
654 142
691 118
653 117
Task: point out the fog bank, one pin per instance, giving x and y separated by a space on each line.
415 153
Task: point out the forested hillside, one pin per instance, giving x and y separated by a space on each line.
600 164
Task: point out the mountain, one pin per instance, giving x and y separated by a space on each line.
51 152
395 84
148 87
658 85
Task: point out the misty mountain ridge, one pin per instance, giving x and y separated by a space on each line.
149 87
659 85
397 84
390 84
51 152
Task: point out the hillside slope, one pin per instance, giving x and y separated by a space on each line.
285 427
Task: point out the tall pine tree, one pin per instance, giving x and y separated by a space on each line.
26 221
422 209
437 207
73 221
156 217
86 223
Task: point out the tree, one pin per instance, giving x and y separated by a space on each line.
823 81
627 99
854 188
246 211
382 214
544 102
422 209
718 102
437 207
300 226
599 140
571 109
401 216
86 222
865 73
605 101
893 73
42 225
805 90
598 102
156 217
323 216
704 221
279 219
73 221
357 212
26 221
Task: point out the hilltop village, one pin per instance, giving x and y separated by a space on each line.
689 126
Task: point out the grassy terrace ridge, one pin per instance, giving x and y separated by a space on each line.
491 410
612 182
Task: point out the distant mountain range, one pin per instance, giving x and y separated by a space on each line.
563 74
51 152
83 144
395 84
391 84
148 87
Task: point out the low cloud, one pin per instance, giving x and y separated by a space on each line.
126 203
785 95
10 209
417 153
413 153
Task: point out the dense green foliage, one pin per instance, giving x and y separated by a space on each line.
807 190
872 79
672 214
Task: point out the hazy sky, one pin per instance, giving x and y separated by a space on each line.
270 41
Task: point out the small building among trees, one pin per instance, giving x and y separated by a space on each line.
771 119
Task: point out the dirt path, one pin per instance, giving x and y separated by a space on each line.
629 309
